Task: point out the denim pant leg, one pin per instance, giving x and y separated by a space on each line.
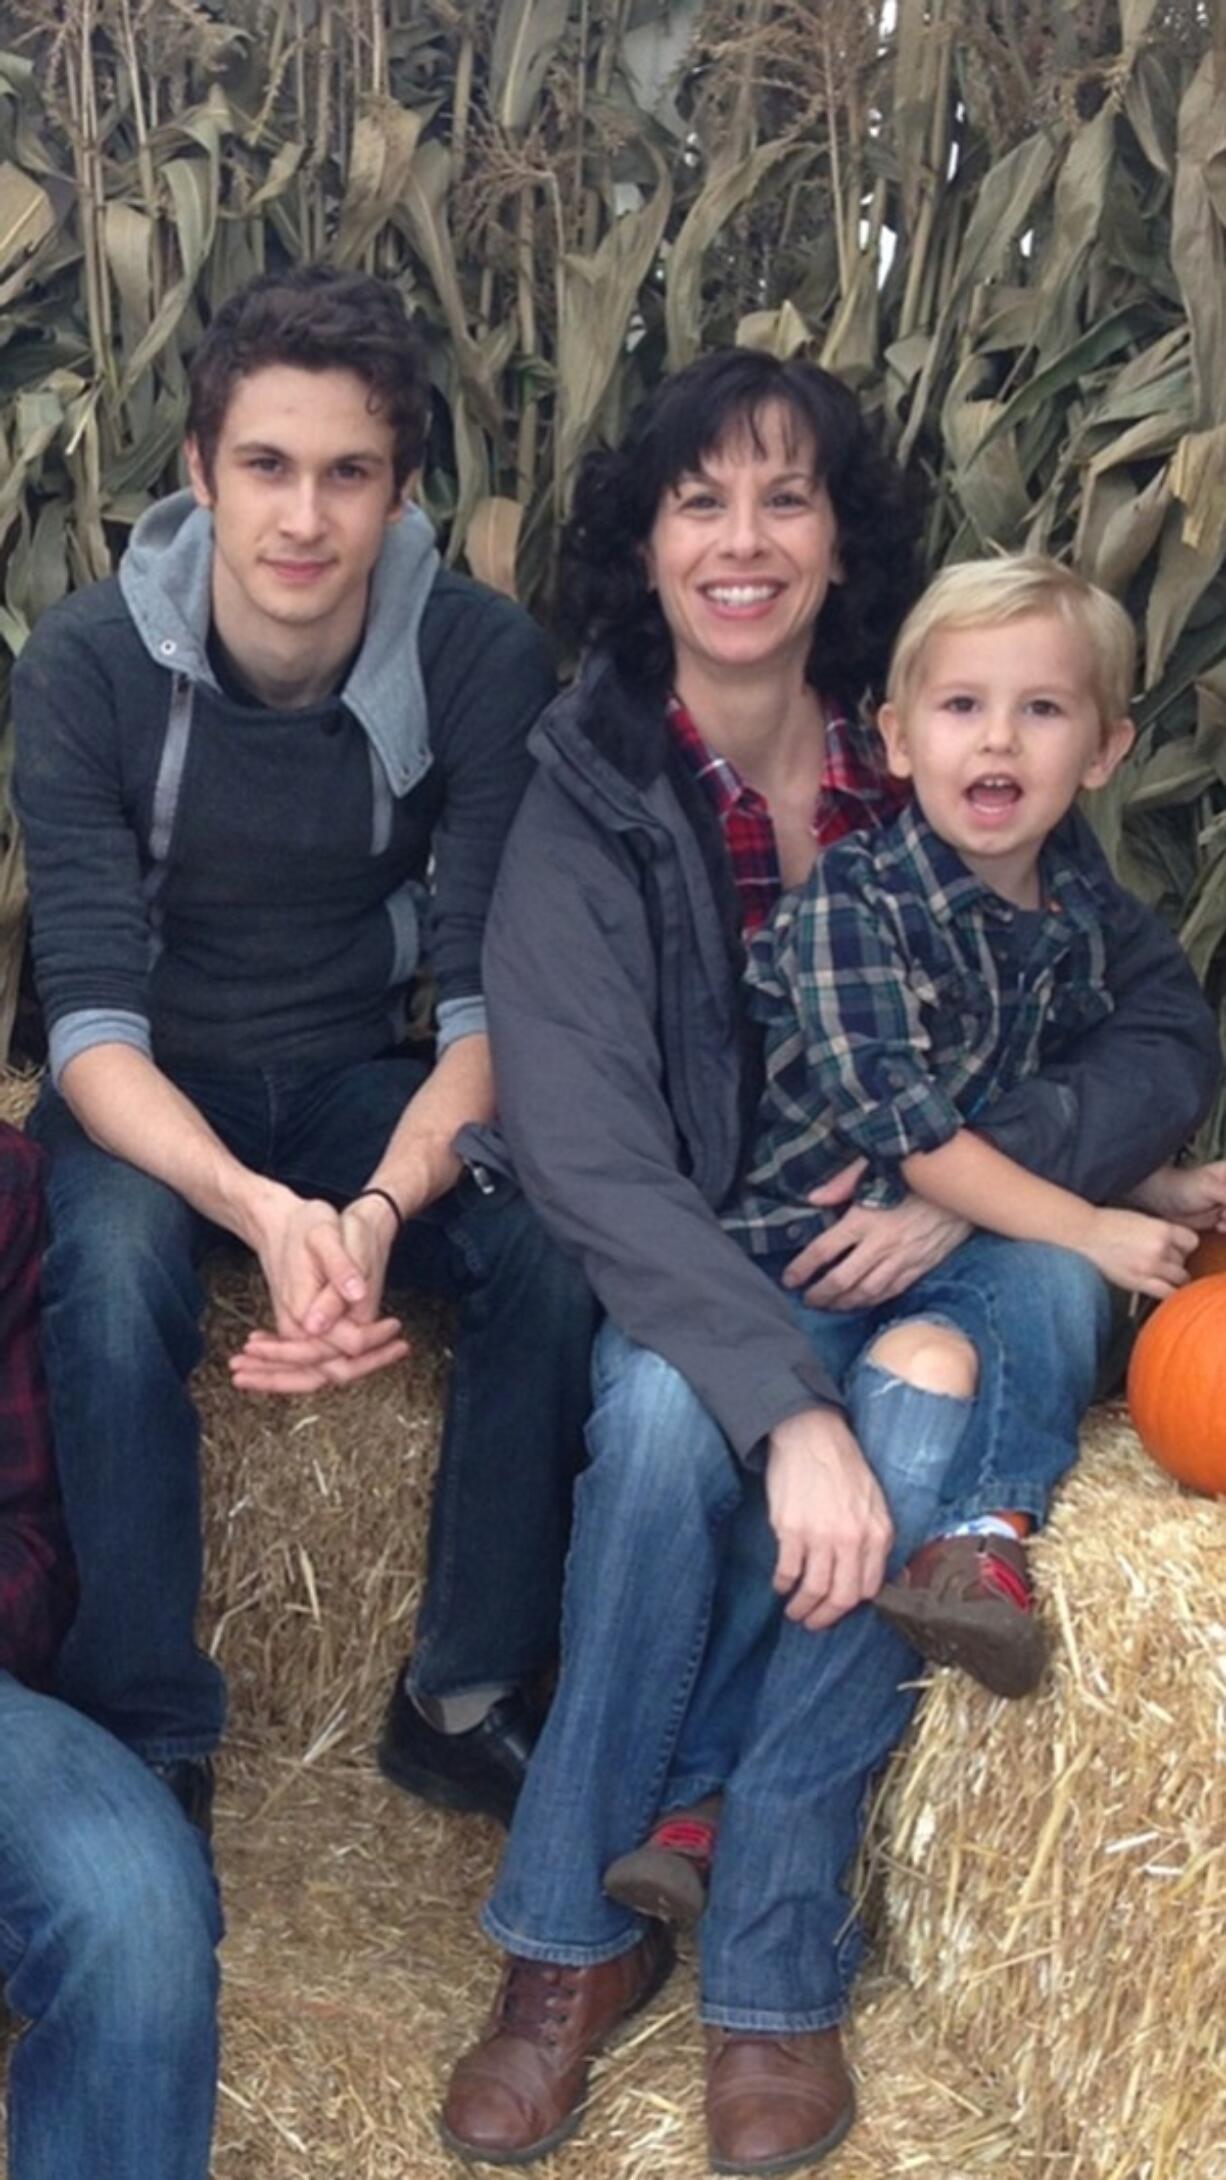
1039 1318
122 1304
779 1940
745 1615
650 1511
519 1390
108 1927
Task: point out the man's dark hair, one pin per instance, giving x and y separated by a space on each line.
603 591
317 318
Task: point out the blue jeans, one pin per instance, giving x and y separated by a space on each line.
122 1304
671 1551
108 1928
1039 1320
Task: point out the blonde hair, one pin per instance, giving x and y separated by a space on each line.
980 593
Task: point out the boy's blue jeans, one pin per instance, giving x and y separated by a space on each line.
122 1303
108 1927
680 1674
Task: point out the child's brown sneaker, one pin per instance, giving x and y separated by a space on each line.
667 1876
967 1600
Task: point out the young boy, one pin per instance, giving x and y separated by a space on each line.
929 965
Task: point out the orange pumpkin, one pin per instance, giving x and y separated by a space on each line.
1208 1257
1177 1384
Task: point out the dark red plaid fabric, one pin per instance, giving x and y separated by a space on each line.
855 792
36 1584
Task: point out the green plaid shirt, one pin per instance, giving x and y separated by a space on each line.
900 997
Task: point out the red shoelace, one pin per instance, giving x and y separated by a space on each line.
684 1835
996 1574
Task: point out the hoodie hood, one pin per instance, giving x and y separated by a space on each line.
166 580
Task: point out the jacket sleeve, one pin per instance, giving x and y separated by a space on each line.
571 985
90 926
497 687
1132 1091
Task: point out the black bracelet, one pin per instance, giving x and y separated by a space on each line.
386 1197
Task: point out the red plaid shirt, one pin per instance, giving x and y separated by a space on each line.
855 792
36 1582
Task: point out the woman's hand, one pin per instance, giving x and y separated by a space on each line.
871 1254
1194 1195
828 1514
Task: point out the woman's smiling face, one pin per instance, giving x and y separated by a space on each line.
743 551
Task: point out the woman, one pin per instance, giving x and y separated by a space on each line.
738 568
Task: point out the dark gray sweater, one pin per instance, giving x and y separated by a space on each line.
215 882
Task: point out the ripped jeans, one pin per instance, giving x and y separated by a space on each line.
680 1675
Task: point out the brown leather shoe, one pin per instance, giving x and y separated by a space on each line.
520 2091
967 1601
775 2102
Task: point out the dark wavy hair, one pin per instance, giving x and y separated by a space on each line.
318 318
603 595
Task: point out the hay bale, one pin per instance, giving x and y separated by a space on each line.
315 1527
18 1090
1055 1870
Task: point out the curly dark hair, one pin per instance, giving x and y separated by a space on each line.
318 318
603 593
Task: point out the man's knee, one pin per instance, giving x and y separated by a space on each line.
124 1920
141 1911
118 1266
933 1357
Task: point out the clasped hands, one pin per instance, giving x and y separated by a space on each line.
325 1270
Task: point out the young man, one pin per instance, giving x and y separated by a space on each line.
108 1911
265 774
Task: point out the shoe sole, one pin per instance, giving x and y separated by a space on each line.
792 2160
568 2126
426 1786
1007 1658
654 1881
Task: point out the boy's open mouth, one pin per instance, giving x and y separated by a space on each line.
993 792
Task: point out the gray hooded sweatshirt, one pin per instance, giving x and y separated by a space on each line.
224 885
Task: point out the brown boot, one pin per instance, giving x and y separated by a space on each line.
967 1600
668 1875
775 2102
520 2091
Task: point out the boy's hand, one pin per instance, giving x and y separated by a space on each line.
829 1516
1141 1254
1195 1195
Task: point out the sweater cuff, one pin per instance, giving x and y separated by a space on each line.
460 1018
76 1033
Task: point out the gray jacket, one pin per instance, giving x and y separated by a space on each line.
627 1071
